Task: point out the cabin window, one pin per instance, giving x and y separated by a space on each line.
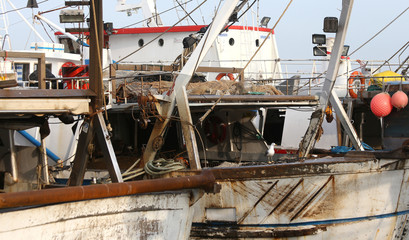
257 43
161 42
231 41
141 42
23 70
70 46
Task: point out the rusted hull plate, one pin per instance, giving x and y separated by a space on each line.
237 232
152 216
354 199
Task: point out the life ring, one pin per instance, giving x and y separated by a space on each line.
229 75
215 129
351 80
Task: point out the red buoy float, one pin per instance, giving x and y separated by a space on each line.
399 100
381 105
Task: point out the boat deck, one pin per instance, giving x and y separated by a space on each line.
44 101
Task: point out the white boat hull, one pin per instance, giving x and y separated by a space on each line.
329 200
150 216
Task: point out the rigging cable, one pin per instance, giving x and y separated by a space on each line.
404 61
383 64
146 19
201 119
379 32
17 9
241 15
45 30
180 5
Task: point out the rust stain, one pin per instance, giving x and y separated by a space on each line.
327 202
312 198
208 231
242 189
286 196
148 228
257 202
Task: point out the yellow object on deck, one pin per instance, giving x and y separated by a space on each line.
386 76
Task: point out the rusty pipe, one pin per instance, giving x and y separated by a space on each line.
251 98
205 180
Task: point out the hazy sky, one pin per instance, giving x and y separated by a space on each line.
293 33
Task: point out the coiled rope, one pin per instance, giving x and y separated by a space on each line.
162 166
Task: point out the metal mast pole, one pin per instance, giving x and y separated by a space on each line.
318 116
178 92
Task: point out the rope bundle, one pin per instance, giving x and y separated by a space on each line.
162 166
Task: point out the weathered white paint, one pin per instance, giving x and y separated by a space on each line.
44 105
352 201
151 216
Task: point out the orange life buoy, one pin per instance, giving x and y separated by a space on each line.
215 129
229 75
355 75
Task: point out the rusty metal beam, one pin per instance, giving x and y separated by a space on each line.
283 170
252 98
169 68
77 3
77 30
235 231
59 195
142 67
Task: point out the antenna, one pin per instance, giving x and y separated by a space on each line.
148 8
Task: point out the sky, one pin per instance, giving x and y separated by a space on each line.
293 33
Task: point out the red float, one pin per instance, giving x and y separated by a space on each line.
399 100
381 105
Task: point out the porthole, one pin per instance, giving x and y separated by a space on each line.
257 43
141 42
231 41
161 42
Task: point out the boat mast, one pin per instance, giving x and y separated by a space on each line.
327 92
94 123
148 8
178 92
25 20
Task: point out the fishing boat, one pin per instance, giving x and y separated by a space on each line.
222 185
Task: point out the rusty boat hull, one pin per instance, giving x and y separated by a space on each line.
359 196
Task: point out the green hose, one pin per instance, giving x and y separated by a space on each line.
161 166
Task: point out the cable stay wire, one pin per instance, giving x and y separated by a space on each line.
380 31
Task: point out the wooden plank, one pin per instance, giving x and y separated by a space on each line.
168 68
8 54
46 93
219 69
40 67
8 83
44 105
96 43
